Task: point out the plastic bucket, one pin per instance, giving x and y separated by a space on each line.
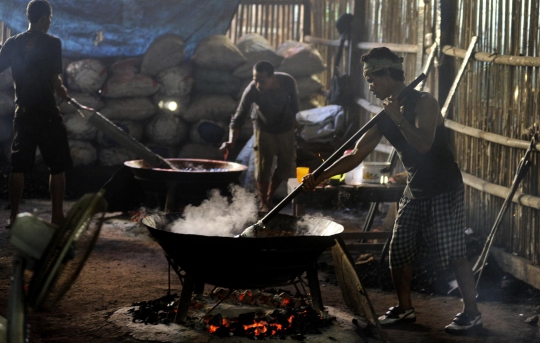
373 172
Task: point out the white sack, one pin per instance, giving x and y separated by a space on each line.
166 129
164 52
126 66
129 108
218 52
82 153
321 124
176 81
86 75
89 100
300 59
217 107
78 128
255 48
129 86
308 86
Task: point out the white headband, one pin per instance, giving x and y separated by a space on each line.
372 65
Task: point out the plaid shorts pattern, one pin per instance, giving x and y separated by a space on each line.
430 227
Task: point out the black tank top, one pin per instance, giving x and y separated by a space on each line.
428 174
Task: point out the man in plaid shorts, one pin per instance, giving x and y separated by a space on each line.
430 215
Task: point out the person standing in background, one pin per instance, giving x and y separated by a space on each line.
35 58
275 98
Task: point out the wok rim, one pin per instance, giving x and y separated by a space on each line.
237 167
339 229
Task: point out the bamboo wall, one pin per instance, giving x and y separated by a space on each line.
282 20
403 28
398 22
500 99
276 20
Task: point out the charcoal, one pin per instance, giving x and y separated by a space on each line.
246 318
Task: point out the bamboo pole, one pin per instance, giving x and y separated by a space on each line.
500 191
523 61
407 48
488 136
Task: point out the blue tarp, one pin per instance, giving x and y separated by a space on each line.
127 27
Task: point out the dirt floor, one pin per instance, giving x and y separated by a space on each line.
126 266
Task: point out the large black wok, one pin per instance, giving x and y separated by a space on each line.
244 263
189 182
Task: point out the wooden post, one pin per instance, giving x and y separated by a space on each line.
314 287
420 37
307 17
355 67
446 68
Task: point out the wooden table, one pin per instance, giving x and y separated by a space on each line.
365 192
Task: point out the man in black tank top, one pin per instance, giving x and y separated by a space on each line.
430 215
35 59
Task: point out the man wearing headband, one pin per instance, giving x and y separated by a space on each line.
430 215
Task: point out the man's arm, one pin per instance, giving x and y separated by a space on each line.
365 145
59 88
428 115
237 120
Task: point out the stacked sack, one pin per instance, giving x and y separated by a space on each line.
176 107
214 96
144 96
303 61
300 60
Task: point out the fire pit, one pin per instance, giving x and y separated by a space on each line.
189 183
245 263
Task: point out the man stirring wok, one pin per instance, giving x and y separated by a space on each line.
430 215
35 58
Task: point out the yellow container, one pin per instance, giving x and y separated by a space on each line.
301 172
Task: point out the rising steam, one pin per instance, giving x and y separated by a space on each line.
219 216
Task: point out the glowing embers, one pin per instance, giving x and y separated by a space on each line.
292 314
298 322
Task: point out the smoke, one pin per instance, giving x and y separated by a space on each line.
313 225
217 216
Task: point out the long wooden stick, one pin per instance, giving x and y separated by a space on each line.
523 167
340 151
121 137
444 109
